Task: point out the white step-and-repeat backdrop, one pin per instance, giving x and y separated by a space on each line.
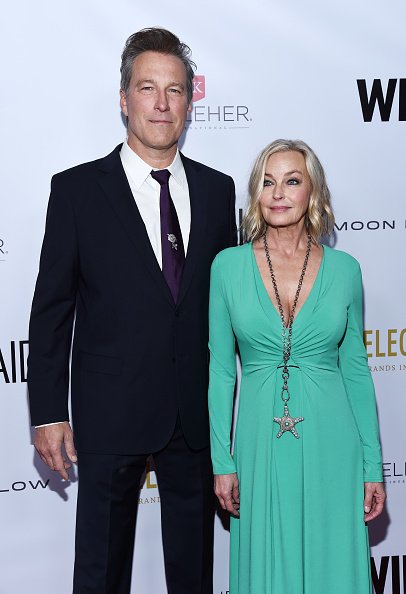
332 74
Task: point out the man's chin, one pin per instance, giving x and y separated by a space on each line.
157 142
164 145
164 138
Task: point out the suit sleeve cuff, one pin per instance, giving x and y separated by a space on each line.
49 424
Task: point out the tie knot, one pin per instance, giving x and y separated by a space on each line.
161 176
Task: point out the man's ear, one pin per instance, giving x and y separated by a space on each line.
123 102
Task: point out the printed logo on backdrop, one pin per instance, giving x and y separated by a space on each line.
199 88
379 99
215 116
370 225
363 225
27 486
149 487
13 362
387 573
386 349
394 473
3 250
239 223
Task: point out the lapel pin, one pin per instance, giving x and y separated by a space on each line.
173 240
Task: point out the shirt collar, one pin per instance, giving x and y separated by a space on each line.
139 170
177 170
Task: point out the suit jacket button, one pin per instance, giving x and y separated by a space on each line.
177 314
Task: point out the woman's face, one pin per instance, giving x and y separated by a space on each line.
285 196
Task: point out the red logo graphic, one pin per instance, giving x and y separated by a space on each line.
199 87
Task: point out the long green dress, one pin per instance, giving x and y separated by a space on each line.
301 527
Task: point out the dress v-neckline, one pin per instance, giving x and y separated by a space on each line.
265 299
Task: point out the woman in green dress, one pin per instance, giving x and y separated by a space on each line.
306 471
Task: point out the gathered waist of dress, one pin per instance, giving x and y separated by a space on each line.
306 366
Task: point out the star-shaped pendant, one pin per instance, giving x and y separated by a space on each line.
287 423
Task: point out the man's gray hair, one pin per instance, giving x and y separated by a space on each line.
158 40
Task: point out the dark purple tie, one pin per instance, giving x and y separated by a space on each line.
173 253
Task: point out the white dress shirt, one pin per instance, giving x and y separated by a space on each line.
146 191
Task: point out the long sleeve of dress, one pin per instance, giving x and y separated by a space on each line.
222 375
358 383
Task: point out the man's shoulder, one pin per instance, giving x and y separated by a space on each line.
89 168
202 169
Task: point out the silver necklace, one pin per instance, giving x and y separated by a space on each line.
287 423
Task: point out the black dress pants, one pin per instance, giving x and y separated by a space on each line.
108 493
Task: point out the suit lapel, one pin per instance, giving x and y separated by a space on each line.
115 185
197 184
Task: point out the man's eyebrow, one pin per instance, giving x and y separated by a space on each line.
175 83
145 80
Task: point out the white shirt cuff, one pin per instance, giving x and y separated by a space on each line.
49 424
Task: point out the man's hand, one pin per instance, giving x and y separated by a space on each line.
227 489
48 443
374 500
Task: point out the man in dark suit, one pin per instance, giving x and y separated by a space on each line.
127 251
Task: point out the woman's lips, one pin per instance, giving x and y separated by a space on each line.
280 208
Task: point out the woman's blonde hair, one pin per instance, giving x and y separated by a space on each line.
319 219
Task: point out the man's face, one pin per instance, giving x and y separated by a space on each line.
156 105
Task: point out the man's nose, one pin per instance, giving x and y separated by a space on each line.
162 102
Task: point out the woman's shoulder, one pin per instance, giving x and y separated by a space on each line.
341 260
232 256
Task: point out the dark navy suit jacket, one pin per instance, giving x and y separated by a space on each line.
138 359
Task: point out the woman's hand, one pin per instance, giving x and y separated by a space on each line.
374 500
227 489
